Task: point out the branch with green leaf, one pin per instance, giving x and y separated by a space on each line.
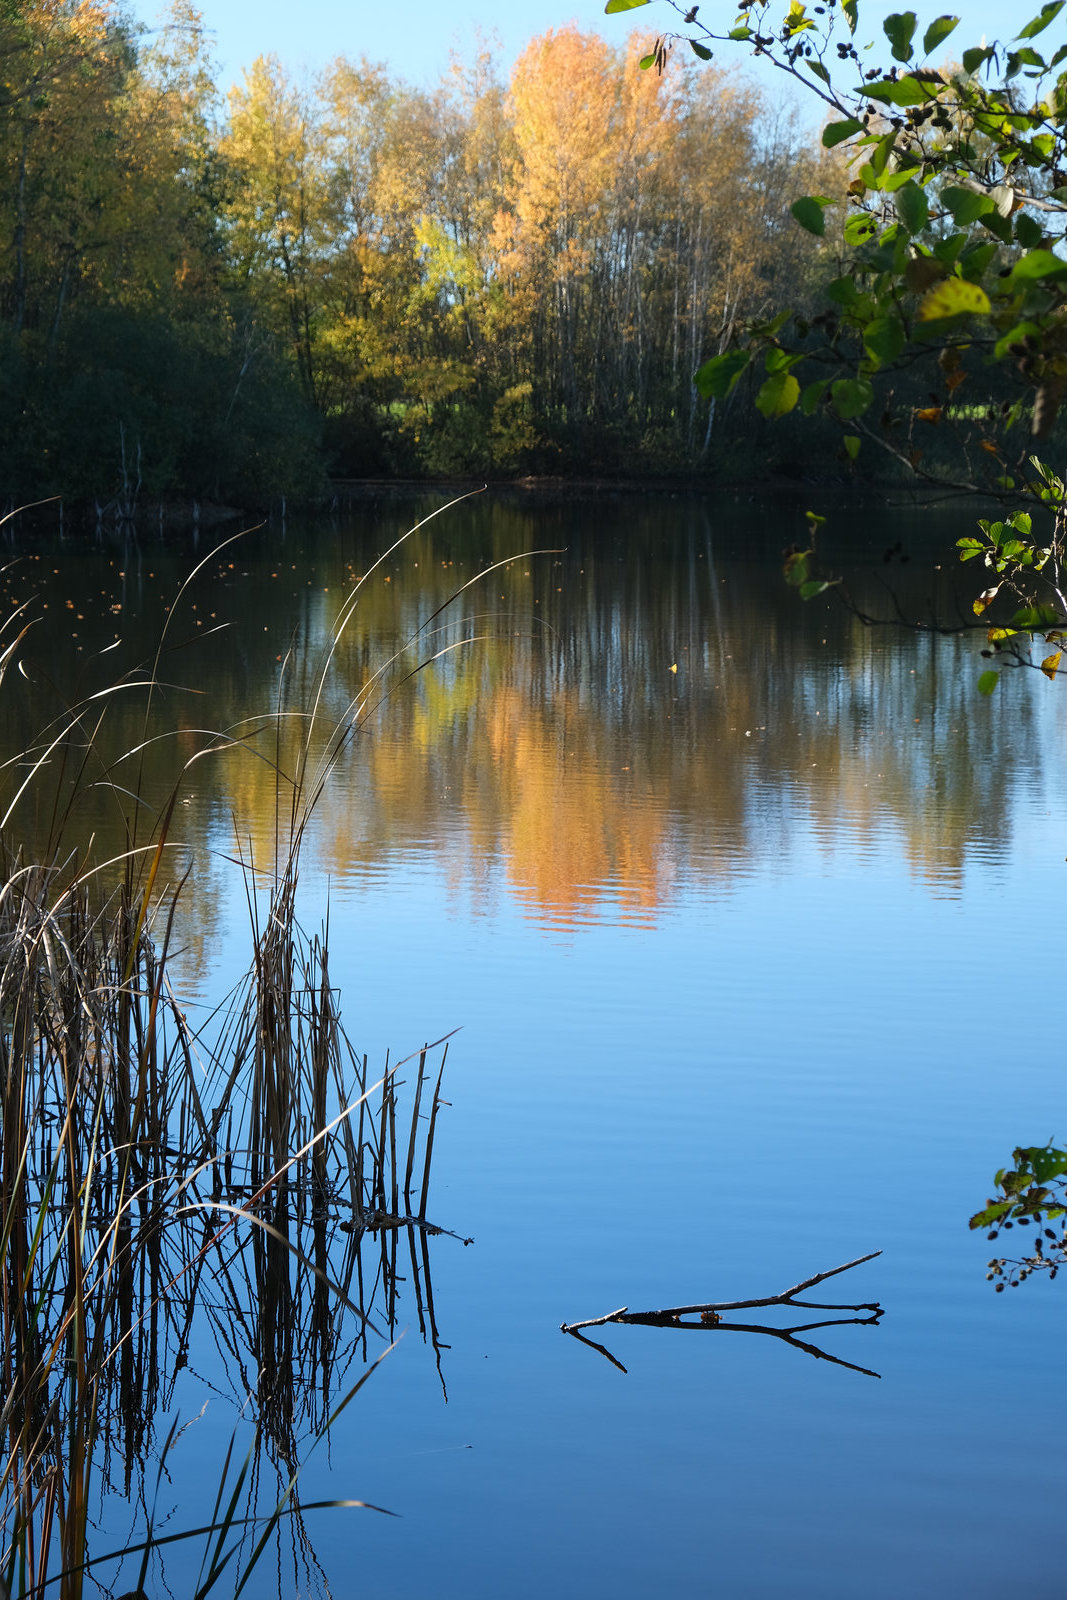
1032 1193
943 271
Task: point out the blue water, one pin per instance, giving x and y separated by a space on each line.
756 970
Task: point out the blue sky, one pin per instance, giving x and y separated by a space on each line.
415 36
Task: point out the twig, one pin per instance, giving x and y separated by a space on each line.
786 1298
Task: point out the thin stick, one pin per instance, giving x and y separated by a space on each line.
594 1322
785 1298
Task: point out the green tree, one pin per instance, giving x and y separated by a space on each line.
280 220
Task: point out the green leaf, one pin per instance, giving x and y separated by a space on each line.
739 33
842 291
819 70
852 445
892 181
1015 335
954 297
884 339
622 5
966 206
988 682
851 397
851 10
993 1212
938 31
1025 58
973 59
700 50
881 153
948 248
998 225
906 91
797 19
778 395
969 548
795 570
860 228
646 62
1046 15
900 30
814 586
975 259
812 396
1038 264
1027 231
1045 1161
1036 617
837 132
912 207
717 377
808 211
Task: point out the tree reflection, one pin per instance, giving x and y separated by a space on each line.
552 736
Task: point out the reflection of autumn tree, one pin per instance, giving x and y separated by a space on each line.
554 738
570 834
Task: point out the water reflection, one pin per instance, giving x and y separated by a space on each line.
647 714
556 761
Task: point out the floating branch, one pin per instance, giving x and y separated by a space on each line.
712 1308
709 1315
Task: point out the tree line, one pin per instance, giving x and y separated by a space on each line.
240 296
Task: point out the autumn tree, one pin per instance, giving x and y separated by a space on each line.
280 221
481 276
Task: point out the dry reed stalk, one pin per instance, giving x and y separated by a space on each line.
140 1160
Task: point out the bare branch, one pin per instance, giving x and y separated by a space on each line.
712 1307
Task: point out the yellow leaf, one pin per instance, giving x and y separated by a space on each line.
985 599
928 414
952 298
1051 663
674 667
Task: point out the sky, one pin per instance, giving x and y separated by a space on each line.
415 37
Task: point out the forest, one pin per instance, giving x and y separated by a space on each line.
235 297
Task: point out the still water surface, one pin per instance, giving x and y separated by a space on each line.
742 909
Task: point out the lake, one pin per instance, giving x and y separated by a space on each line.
743 910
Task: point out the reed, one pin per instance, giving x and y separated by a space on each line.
247 1172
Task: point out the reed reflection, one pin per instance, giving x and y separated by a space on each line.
166 1194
